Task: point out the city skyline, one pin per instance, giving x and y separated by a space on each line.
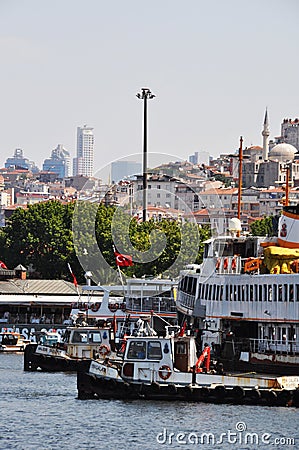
214 68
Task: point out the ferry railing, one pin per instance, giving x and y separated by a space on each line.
186 300
274 347
157 304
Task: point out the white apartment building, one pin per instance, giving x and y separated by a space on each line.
161 190
83 163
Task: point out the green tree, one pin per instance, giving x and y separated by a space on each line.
41 236
262 227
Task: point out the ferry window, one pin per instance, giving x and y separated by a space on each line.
242 298
239 293
235 292
210 292
205 288
270 294
79 337
66 336
274 293
285 292
256 294
291 293
226 292
199 291
154 350
297 291
180 348
193 289
280 292
95 337
251 293
136 350
260 293
265 292
221 293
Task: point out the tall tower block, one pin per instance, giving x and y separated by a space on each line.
83 163
266 134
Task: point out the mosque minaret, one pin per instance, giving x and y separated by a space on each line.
266 134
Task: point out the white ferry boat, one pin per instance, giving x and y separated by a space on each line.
244 298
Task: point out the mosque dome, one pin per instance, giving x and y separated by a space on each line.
282 152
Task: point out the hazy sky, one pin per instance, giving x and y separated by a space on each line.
214 67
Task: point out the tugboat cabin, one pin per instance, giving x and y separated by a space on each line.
155 359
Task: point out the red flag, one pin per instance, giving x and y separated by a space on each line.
2 265
183 329
123 260
74 278
114 325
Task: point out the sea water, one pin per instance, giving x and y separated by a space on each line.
41 411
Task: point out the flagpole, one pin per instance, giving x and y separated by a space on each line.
74 280
118 268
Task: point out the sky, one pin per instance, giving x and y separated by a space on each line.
213 66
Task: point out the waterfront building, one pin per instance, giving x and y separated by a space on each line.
59 162
83 163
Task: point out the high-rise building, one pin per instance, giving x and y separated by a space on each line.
83 163
18 161
59 162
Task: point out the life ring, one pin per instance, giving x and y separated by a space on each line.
104 350
234 264
113 307
164 372
95 307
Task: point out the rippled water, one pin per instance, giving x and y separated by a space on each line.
40 411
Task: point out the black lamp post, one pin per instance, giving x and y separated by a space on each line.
144 95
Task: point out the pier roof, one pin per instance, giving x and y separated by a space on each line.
37 287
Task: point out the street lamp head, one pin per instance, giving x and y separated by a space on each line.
145 94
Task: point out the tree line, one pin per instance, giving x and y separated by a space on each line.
46 237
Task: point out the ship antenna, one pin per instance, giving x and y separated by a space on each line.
240 180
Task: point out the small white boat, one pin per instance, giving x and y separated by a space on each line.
12 342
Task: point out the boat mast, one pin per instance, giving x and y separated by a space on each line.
240 180
287 185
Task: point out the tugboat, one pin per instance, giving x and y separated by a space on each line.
66 353
167 368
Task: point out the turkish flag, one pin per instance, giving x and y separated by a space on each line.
2 265
123 260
